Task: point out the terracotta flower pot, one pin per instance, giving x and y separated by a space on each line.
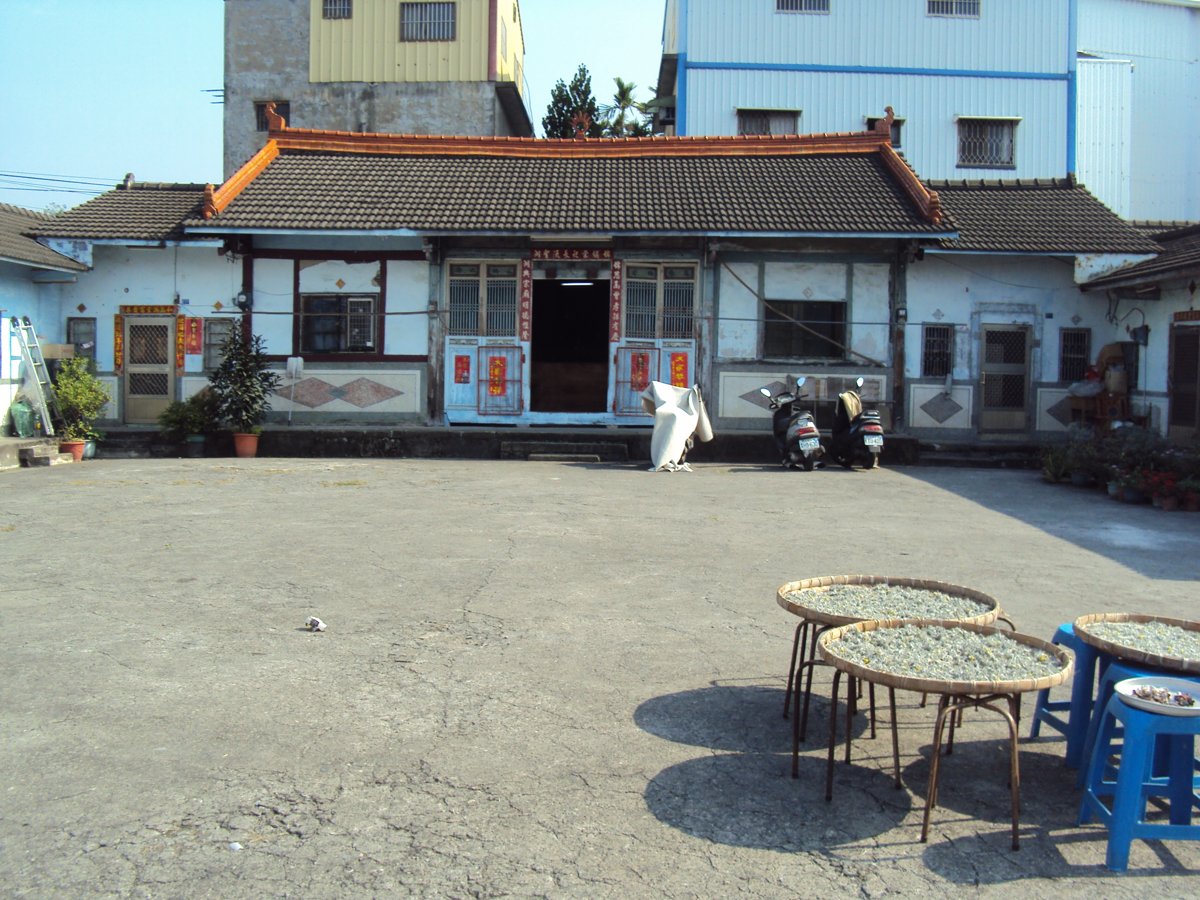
245 445
75 448
1169 503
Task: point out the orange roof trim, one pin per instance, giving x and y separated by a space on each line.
216 201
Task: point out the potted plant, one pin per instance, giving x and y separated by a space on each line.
1083 462
191 420
80 397
242 384
1055 459
1189 489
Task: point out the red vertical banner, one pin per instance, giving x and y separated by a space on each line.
180 342
462 369
679 370
526 305
614 301
497 376
639 371
193 335
118 344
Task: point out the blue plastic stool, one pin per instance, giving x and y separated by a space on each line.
1138 778
1079 707
1112 671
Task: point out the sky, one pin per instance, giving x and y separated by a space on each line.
93 89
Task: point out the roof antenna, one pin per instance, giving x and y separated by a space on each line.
127 182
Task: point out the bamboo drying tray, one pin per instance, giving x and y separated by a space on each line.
940 686
991 608
1133 654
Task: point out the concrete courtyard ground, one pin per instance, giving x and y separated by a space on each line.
538 679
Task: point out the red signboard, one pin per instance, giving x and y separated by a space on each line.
497 376
614 301
193 335
571 253
679 370
639 370
462 369
526 307
180 342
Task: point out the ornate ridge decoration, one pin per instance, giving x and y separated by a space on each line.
215 201
275 122
927 201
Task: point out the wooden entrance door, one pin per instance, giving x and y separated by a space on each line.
149 367
1004 378
1183 383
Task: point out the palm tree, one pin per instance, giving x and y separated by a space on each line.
620 123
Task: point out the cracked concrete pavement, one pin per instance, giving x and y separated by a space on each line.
538 679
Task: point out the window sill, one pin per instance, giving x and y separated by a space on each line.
998 166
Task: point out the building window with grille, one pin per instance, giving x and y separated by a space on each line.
81 333
804 329
427 21
955 9
483 299
337 9
802 6
937 350
216 333
768 121
894 130
1074 353
987 143
660 301
338 323
282 108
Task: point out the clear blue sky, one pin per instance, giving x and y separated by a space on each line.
92 89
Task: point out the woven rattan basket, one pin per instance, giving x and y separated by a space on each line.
990 609
828 641
1133 654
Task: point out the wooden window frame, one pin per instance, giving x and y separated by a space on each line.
488 272
347 348
664 278
937 361
797 343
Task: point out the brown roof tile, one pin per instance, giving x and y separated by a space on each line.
16 245
1039 216
1180 258
139 212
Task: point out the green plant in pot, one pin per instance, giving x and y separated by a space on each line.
243 384
81 397
1054 462
191 420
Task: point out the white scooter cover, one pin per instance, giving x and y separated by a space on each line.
678 414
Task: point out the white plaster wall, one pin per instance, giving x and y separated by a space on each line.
737 327
407 328
274 304
870 312
804 281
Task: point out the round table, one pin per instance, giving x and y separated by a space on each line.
954 695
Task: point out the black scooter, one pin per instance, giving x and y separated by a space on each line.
857 435
795 430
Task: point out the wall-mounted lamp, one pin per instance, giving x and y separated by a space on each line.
242 301
901 313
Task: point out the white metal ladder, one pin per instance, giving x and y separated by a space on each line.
42 389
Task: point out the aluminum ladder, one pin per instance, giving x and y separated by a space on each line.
40 386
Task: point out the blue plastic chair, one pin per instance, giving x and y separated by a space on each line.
1139 777
1078 708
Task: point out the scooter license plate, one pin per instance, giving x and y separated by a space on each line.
810 444
873 440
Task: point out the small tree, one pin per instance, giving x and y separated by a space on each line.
625 116
80 397
243 383
570 105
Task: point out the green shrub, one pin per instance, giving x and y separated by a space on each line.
80 397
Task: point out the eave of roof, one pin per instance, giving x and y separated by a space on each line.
1179 260
149 212
19 248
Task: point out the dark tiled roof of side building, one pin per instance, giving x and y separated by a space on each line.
16 224
1035 216
1180 259
137 212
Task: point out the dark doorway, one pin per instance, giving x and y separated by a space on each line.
569 347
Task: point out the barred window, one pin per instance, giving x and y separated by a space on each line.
336 9
338 323
768 121
987 143
282 108
802 6
216 333
81 332
660 301
427 21
937 350
1074 353
804 329
959 9
483 299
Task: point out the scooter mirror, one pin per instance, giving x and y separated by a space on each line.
859 382
800 379
764 392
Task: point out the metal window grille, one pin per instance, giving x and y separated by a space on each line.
82 333
804 329
360 324
679 307
937 350
768 121
987 143
282 108
147 384
465 299
641 308
1074 352
332 323
483 300
802 6
427 21
964 9
501 306
148 345
337 9
216 332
